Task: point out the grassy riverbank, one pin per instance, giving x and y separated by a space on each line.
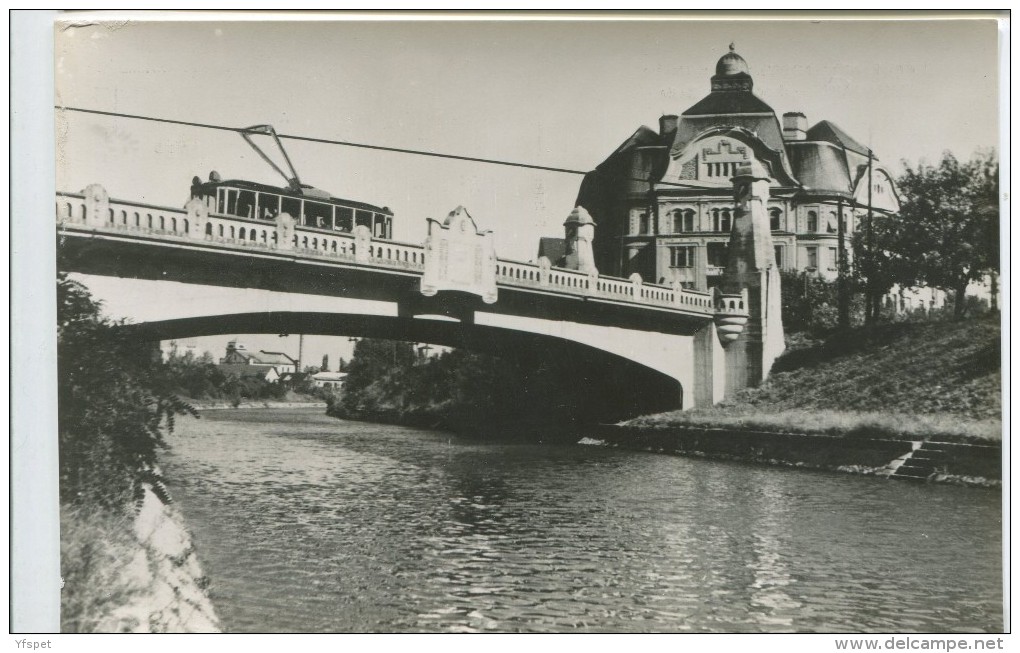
913 381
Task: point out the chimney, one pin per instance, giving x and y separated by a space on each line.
667 124
794 126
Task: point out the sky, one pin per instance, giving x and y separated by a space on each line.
554 93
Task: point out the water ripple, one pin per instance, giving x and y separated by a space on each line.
309 524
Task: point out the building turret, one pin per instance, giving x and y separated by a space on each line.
731 73
579 233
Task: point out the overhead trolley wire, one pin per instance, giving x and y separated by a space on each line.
367 146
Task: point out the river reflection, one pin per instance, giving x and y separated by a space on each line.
310 524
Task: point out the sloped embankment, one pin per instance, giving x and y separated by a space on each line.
938 380
909 400
139 574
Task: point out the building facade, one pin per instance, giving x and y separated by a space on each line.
238 358
662 203
330 380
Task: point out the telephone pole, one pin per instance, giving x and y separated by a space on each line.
841 289
870 303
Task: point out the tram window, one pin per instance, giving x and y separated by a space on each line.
318 214
292 207
268 206
344 219
226 201
245 204
363 218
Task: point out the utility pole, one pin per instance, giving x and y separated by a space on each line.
870 303
300 351
841 289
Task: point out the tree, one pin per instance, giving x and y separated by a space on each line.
325 363
116 404
947 233
378 368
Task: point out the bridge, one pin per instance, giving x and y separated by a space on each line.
625 346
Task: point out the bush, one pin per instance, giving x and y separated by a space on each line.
115 404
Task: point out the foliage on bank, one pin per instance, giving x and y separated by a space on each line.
930 380
946 234
117 405
461 390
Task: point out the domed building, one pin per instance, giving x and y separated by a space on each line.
663 201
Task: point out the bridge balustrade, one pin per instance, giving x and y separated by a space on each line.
93 209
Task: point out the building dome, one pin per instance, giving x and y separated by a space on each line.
730 64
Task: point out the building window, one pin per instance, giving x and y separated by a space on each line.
683 221
681 256
812 258
833 258
717 254
724 169
643 223
775 219
830 223
721 220
812 221
779 256
639 223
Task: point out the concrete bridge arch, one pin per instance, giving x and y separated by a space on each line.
597 382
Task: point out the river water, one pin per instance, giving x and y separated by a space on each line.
310 524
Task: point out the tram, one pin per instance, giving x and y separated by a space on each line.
309 206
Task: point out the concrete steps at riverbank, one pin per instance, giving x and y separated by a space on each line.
936 461
921 464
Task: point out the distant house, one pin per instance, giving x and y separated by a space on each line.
270 365
331 380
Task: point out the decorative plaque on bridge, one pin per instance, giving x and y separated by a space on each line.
459 257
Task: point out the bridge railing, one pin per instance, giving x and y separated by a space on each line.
542 275
94 209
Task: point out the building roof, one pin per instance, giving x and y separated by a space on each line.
731 64
293 376
718 102
272 358
831 133
241 369
827 161
329 376
820 166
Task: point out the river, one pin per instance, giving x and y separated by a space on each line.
305 523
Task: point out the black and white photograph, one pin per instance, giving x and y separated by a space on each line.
524 323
